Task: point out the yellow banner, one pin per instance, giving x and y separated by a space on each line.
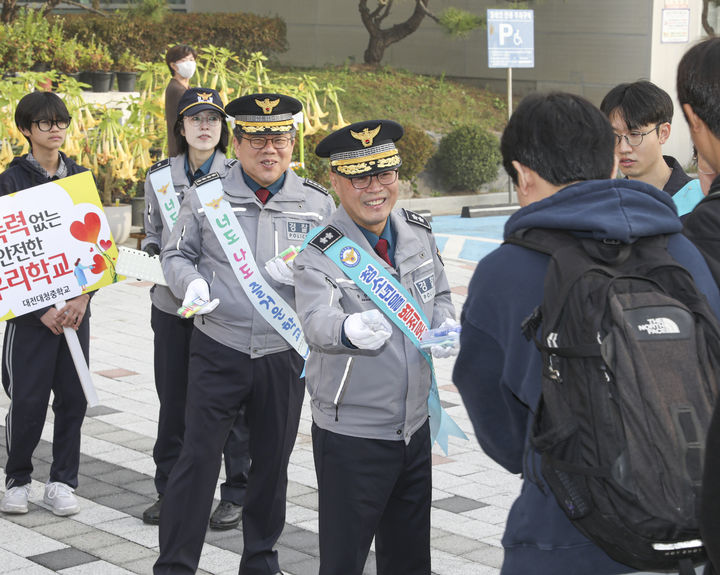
55 244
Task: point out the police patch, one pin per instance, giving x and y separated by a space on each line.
426 288
349 257
325 238
297 231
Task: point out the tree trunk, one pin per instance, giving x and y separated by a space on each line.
380 38
9 10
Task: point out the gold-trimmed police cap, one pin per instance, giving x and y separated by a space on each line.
260 114
363 148
195 100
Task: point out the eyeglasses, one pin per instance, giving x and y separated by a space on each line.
46 125
385 178
634 139
211 120
278 142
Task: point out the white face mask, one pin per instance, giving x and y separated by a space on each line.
186 69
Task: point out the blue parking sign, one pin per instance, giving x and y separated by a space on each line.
511 39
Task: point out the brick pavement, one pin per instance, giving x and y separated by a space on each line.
471 494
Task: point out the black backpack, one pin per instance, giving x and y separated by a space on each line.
631 354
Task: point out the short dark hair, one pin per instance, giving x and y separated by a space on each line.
39 106
638 104
561 136
221 145
698 82
178 53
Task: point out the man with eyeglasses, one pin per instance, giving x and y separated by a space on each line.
641 115
247 348
368 382
36 358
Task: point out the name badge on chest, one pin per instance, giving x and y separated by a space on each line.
426 288
296 231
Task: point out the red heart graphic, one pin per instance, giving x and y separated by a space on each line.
87 231
99 264
92 250
105 244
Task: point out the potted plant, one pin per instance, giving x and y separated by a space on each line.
96 59
126 71
66 58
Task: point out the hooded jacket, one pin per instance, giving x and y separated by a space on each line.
498 372
22 174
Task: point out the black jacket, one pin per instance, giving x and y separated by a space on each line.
702 227
21 175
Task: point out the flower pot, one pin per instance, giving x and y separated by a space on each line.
119 219
138 210
101 81
126 81
85 78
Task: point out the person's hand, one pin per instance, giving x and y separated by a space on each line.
199 289
52 319
448 349
367 330
152 250
72 314
281 271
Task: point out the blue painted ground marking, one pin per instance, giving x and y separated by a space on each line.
468 238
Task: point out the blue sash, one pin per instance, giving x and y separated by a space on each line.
395 302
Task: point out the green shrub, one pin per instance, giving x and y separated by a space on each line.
468 157
416 148
316 168
239 32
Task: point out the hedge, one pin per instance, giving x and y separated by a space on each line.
243 33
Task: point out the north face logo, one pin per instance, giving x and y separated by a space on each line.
659 325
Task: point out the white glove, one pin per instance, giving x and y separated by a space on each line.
281 271
367 330
447 350
199 289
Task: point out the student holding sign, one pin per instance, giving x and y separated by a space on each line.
36 358
247 348
202 134
368 285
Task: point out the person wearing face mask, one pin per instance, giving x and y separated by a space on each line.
180 60
203 133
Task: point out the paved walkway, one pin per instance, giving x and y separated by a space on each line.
471 494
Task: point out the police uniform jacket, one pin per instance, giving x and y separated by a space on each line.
380 394
156 232
193 251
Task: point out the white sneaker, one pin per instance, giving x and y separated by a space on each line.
15 499
60 498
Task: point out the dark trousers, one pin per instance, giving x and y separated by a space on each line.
36 361
371 487
172 351
221 381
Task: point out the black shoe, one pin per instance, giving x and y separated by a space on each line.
151 515
226 516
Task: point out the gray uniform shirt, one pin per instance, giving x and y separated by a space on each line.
379 394
193 251
156 232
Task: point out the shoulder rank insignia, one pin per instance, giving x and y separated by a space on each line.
313 184
160 165
230 162
417 219
327 237
205 179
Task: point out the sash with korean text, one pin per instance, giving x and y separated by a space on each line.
164 190
396 303
269 304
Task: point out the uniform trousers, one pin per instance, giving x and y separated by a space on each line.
36 361
373 487
221 381
172 351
